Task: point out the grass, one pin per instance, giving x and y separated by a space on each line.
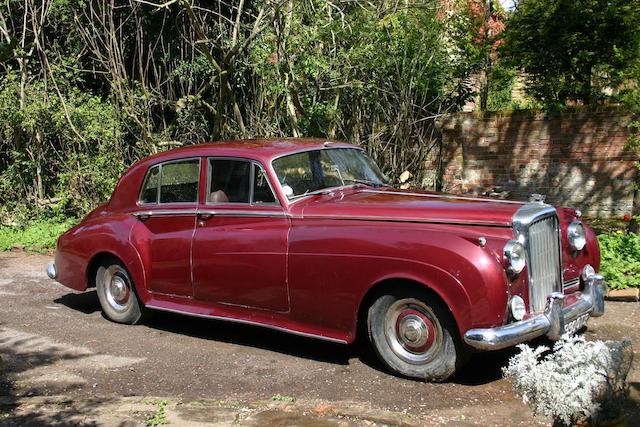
38 236
280 398
160 416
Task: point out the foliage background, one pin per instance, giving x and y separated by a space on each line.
87 87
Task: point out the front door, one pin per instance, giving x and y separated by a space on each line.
240 241
167 218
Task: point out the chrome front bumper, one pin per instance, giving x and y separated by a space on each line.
556 320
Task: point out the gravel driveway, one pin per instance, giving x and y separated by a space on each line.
65 364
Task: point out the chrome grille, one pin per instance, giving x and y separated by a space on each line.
543 261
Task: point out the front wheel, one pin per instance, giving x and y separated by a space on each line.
415 336
115 292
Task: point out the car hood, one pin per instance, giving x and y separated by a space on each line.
411 206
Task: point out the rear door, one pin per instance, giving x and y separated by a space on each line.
167 217
240 240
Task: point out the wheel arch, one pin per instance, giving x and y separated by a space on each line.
459 310
98 259
95 262
128 255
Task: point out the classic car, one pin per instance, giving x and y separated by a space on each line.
306 236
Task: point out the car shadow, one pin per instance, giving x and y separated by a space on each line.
224 331
484 368
86 302
481 369
250 336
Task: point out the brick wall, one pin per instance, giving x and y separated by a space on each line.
576 159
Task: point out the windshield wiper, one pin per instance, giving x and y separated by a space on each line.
366 182
328 190
311 193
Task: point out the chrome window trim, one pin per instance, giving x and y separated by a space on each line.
266 176
252 164
160 164
144 182
524 217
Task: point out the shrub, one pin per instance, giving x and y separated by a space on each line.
578 381
620 253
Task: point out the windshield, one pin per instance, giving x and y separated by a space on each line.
311 171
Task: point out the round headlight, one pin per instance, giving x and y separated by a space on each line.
514 256
576 235
518 309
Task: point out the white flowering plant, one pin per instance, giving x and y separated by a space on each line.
576 381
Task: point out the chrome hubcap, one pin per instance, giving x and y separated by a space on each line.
115 283
412 331
118 288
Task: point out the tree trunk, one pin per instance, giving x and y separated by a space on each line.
484 94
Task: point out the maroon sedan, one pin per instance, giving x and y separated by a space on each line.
306 236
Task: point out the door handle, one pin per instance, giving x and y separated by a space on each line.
143 216
203 216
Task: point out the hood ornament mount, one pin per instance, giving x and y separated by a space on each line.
537 198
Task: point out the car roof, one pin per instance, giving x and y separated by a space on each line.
125 195
264 150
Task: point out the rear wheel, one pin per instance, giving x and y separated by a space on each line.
415 336
115 292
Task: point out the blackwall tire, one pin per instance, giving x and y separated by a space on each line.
116 293
415 336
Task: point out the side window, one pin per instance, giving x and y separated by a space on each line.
179 181
261 190
228 181
150 187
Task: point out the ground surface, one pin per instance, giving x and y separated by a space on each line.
64 364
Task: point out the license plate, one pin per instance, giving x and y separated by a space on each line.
576 324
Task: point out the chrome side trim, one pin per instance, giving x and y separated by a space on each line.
243 213
212 212
554 322
396 219
164 212
249 322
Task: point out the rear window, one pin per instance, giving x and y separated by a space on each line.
172 182
150 186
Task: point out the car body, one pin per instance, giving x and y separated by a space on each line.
305 250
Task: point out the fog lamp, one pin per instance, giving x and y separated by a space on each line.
518 309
